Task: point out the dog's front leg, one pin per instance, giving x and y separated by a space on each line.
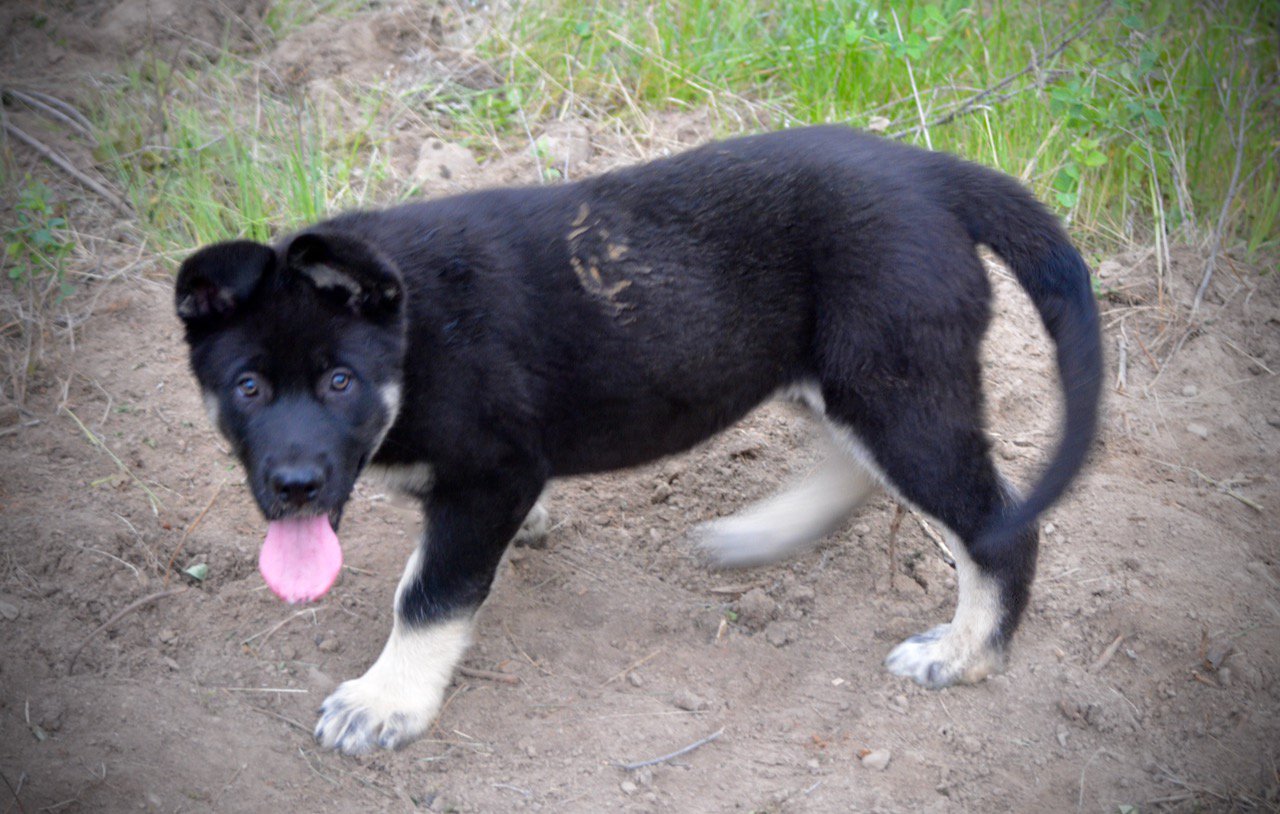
446 579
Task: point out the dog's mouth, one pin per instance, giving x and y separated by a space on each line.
301 557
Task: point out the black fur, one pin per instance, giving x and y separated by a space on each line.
553 331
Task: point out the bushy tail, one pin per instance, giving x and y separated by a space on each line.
998 211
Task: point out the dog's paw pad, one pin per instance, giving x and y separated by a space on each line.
354 720
940 658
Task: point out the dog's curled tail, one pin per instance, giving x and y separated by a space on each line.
998 211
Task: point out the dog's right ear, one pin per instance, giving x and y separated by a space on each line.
218 279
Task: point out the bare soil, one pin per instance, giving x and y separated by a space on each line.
1147 672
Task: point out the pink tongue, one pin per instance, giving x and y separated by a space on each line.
300 559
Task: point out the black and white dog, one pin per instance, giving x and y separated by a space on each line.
477 346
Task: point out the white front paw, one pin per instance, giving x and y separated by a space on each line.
397 699
364 713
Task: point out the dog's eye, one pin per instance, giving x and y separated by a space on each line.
247 386
340 380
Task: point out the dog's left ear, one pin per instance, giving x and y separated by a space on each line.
350 270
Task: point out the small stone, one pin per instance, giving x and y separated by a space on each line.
688 700
628 787
643 777
899 704
1190 390
634 679
530 751
861 529
877 759
1108 268
565 144
8 611
661 492
1062 737
168 635
1050 528
329 644
50 714
288 652
1224 676
756 609
777 634
971 744
1198 430
802 596
171 664
441 161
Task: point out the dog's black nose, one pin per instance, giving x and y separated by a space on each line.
297 485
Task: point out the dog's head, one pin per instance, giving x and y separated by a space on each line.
298 352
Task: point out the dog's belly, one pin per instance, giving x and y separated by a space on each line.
647 422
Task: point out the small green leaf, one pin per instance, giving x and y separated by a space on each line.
198 572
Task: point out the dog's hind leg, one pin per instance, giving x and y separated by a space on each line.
789 522
940 464
446 579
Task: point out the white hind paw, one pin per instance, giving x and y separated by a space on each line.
942 657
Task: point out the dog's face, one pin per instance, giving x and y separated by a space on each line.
298 354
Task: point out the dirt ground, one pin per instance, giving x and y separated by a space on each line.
1146 673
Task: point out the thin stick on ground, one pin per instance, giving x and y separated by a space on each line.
123 612
631 667
686 750
1104 659
49 110
972 102
489 675
55 102
941 544
266 634
915 92
59 161
280 717
1246 105
893 543
190 528
97 442
1219 485
21 808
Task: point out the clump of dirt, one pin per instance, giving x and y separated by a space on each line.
1147 672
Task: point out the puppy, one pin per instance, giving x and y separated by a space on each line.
476 346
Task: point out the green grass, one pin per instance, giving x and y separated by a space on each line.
206 155
1127 129
1125 116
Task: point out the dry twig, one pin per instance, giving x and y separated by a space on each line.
686 750
192 527
1107 655
125 611
972 102
59 161
489 675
